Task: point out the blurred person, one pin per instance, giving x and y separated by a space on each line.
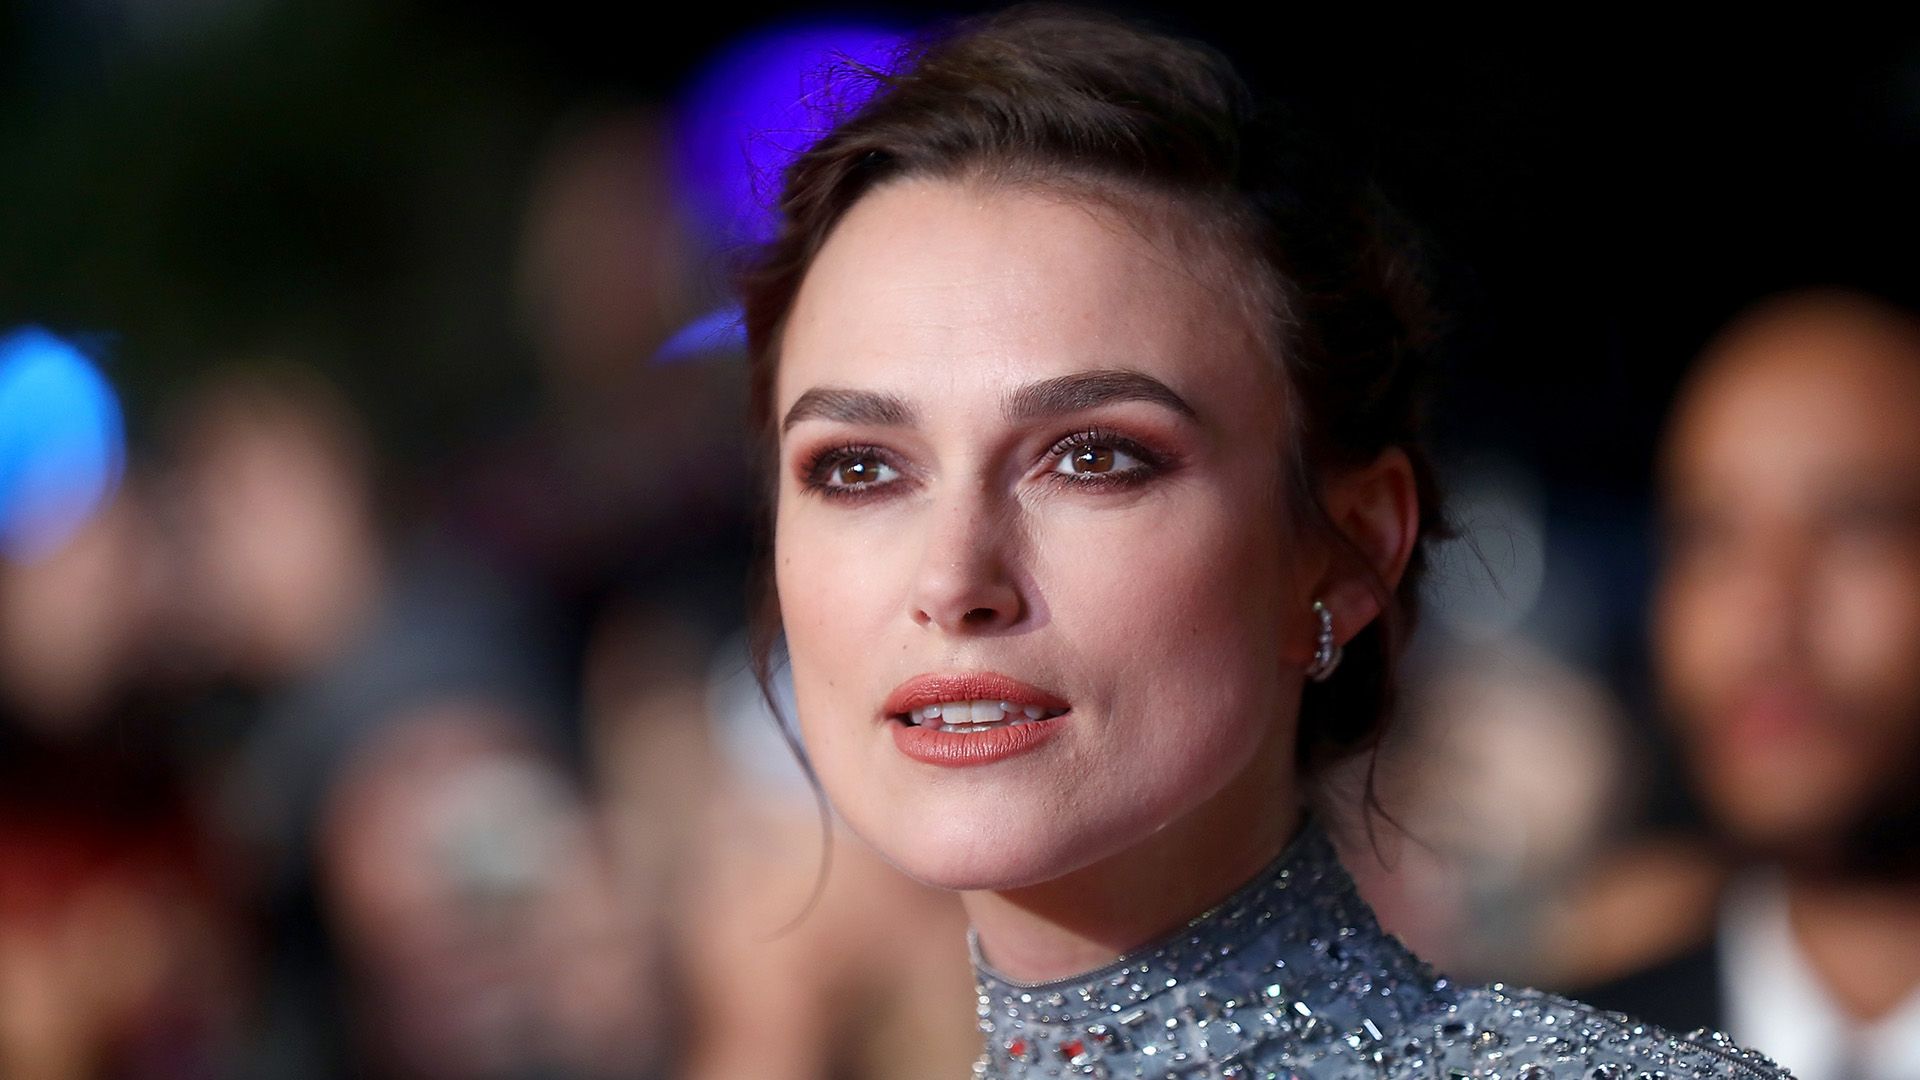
1090 394
1474 887
430 875
717 851
866 979
611 510
617 498
623 478
119 947
1504 709
281 559
1787 643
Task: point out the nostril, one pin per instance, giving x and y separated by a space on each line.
980 614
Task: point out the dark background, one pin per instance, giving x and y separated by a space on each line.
345 177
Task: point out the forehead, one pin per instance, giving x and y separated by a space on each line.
950 288
1799 406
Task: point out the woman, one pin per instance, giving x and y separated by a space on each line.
1099 507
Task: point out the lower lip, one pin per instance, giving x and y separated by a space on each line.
955 749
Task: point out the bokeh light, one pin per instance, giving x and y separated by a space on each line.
717 332
62 441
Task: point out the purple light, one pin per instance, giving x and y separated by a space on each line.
757 104
716 333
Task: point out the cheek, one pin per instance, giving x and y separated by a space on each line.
1694 642
1867 629
839 577
834 574
1183 620
818 592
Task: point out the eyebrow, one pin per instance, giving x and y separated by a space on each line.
1086 389
849 407
1048 397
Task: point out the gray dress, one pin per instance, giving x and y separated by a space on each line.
1292 978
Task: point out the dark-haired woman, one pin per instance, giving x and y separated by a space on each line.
1091 396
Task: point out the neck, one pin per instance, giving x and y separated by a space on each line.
1861 938
1088 918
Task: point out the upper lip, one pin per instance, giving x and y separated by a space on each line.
930 689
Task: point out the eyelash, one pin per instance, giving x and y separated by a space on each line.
1151 463
818 466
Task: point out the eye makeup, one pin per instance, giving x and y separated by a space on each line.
817 472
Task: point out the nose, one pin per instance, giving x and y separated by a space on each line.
1776 604
966 580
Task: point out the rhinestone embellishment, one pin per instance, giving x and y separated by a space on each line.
1292 978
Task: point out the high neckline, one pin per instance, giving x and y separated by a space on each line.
1292 975
1302 902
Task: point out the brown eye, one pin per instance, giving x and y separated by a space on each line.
858 469
1095 458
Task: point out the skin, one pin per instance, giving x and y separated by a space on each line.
1787 622
1171 611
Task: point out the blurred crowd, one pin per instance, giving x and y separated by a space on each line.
317 770
317 759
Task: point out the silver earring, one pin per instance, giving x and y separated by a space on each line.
1327 656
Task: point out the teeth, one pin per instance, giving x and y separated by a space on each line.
964 717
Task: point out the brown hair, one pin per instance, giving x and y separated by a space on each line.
1060 96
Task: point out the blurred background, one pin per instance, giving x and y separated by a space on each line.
374 517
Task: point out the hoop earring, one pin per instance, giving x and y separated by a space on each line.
1327 656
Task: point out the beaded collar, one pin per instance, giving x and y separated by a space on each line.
1292 977
1278 947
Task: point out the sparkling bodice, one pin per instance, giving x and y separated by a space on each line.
1292 978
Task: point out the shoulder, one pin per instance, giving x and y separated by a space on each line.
1534 1035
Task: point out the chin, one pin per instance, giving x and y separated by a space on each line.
965 875
1835 829
971 864
969 857
1790 830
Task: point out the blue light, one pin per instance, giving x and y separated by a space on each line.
716 332
62 443
760 102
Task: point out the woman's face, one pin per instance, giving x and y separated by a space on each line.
1025 438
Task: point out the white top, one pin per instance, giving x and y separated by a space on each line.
1777 1004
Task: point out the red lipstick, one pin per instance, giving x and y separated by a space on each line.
956 749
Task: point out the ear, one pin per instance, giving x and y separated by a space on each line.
1377 508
